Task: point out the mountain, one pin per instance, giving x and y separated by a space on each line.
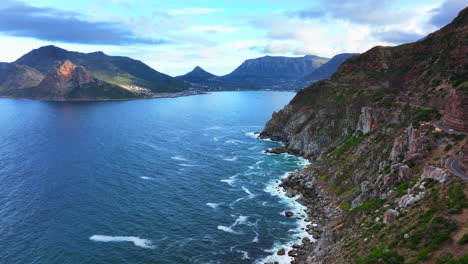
197 75
269 72
383 177
122 71
325 71
69 82
14 76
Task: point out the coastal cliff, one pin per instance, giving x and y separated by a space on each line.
376 152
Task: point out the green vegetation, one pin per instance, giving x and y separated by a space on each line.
351 142
457 199
382 254
448 147
464 240
369 205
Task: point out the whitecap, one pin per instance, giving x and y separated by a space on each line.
234 141
245 254
239 221
146 178
180 158
139 242
228 181
213 128
230 159
254 135
213 205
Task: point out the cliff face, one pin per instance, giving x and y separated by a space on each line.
369 134
65 76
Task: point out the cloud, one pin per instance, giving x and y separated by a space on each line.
194 11
446 12
397 36
213 29
22 20
362 12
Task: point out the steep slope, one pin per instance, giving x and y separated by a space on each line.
323 72
197 75
122 71
69 82
14 76
370 135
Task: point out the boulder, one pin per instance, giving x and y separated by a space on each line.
281 252
390 216
288 213
409 199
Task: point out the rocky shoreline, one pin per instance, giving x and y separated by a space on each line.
321 213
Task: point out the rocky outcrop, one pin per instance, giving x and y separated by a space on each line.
438 174
390 216
65 76
456 111
371 118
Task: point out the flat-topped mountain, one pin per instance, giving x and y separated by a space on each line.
325 71
118 70
268 72
276 68
197 75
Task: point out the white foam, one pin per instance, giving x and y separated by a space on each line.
247 191
213 128
180 158
230 159
245 254
188 165
297 233
239 221
228 181
146 178
252 135
213 205
234 141
231 179
139 242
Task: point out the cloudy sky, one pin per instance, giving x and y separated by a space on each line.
175 36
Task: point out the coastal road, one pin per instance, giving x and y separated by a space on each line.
439 124
452 165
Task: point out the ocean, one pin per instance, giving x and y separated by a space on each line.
173 180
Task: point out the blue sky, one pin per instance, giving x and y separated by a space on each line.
173 37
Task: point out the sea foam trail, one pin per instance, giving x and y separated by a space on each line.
239 221
146 178
230 159
139 242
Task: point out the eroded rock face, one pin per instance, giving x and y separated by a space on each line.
432 172
456 111
63 78
371 118
399 148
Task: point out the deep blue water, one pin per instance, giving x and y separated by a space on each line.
179 180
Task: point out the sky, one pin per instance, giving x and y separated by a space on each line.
175 36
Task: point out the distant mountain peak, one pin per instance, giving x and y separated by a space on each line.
198 74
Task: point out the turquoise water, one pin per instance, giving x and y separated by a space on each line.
179 180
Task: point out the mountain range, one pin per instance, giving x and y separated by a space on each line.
53 73
268 72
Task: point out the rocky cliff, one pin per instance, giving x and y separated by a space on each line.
369 134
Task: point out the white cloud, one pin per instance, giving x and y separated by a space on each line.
213 29
194 11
